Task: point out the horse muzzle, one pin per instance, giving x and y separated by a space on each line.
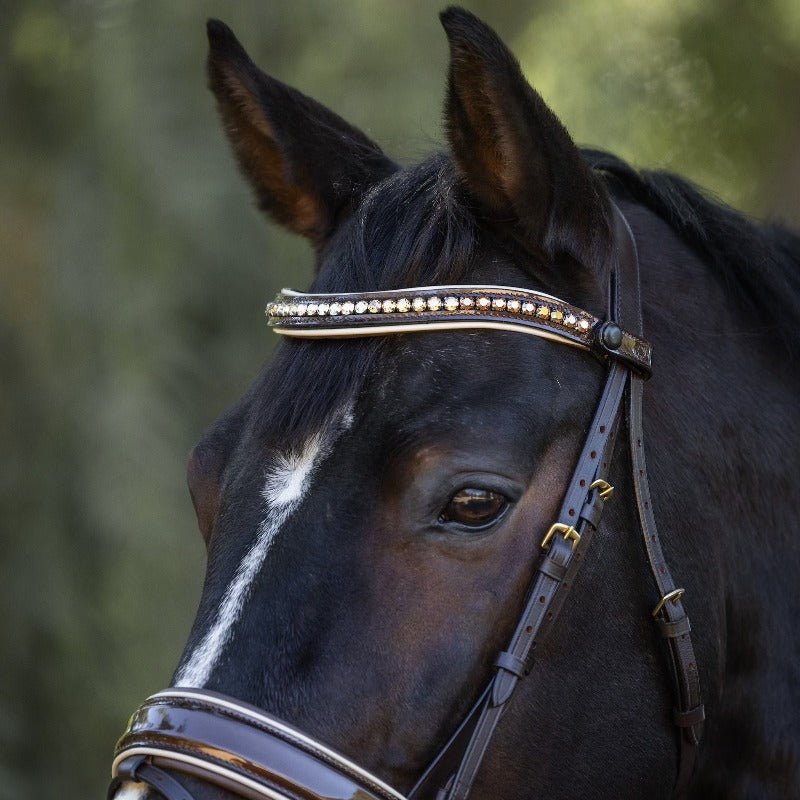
236 747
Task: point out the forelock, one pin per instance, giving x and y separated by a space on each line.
413 228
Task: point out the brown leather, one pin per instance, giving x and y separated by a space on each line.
285 318
683 665
186 729
685 676
671 629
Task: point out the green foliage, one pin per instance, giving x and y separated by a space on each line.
134 272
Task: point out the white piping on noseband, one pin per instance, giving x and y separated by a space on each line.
270 723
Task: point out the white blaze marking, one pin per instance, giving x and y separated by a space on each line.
286 483
131 791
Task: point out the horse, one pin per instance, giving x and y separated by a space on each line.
374 506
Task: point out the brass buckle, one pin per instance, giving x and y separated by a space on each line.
567 531
606 489
670 597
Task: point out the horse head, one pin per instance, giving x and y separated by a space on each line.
374 507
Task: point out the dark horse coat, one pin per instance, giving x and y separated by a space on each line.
343 595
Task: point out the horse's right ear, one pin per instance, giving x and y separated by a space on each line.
307 165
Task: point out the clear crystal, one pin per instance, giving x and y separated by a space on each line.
451 303
484 302
389 306
498 302
434 303
301 309
513 305
528 308
335 309
418 304
403 304
322 309
374 306
467 302
584 325
361 306
312 309
347 307
570 320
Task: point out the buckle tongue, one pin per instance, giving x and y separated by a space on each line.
567 531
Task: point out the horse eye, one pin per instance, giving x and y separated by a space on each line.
474 508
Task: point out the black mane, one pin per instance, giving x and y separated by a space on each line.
758 263
414 228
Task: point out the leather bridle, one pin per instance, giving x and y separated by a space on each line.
252 754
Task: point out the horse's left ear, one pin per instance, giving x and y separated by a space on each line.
516 157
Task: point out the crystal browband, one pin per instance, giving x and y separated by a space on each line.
452 307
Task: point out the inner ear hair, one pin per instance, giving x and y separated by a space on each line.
307 166
514 154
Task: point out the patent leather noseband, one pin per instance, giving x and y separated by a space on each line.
245 751
236 747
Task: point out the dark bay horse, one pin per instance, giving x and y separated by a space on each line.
373 507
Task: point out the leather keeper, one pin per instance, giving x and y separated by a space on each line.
552 569
671 630
592 511
688 719
511 663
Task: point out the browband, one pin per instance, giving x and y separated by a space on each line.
453 307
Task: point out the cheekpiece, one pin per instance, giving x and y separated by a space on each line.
454 307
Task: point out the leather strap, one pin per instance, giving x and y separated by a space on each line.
672 620
441 771
236 747
140 770
574 522
671 617
581 512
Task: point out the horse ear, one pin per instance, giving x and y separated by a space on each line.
516 157
307 165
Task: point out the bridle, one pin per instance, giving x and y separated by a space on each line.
254 755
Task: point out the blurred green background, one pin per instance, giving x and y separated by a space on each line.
135 270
